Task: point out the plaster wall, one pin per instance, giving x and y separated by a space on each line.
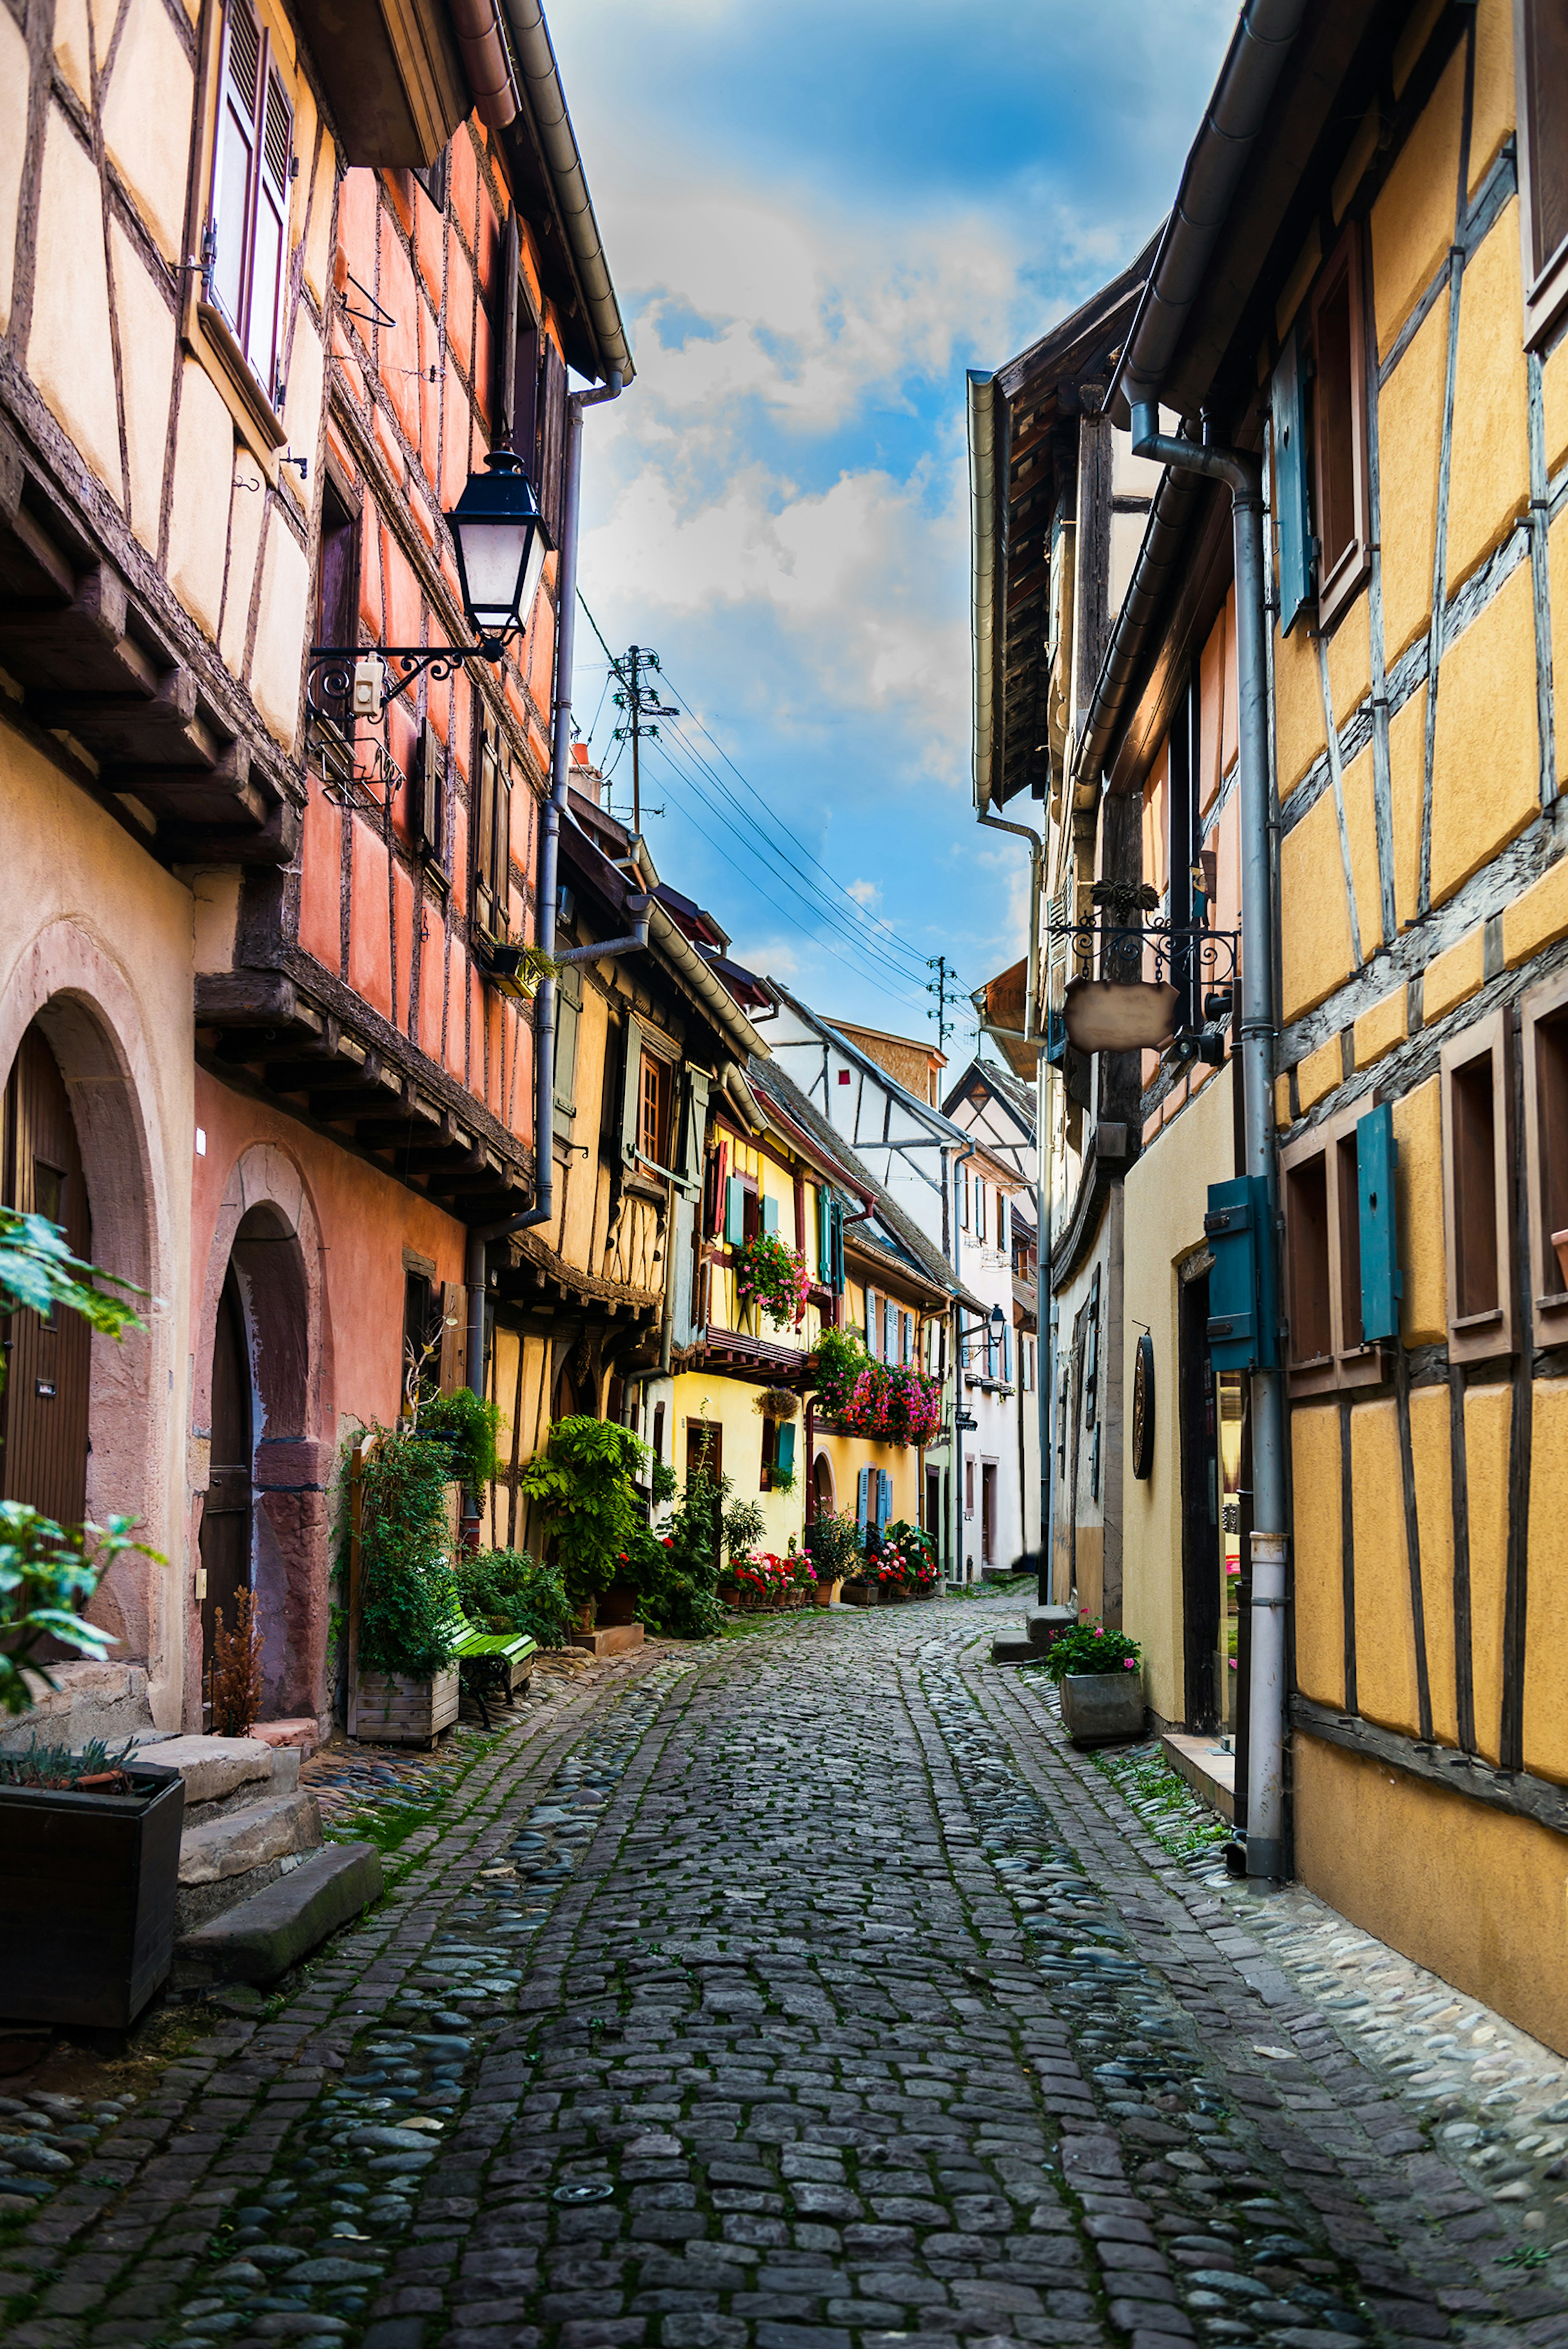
99 944
707 1395
1166 1196
847 1454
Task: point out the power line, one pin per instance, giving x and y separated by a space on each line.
877 937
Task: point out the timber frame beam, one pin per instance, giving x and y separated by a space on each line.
1516 1791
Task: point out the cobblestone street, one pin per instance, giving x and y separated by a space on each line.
805 1991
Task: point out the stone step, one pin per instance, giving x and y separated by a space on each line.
614 1640
219 1769
232 1842
258 1940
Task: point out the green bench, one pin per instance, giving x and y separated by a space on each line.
487 1657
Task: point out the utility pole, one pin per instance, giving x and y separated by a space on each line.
940 987
641 702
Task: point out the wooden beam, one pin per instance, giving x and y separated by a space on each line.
1519 1791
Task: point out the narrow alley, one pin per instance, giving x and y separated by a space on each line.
809 1988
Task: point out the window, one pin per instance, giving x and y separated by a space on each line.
1476 1162
658 1451
243 272
1540 70
969 1488
429 801
568 1014
964 1195
1001 1224
978 1210
653 1121
493 834
420 1375
1319 451
337 568
1338 1253
1544 1038
1027 1351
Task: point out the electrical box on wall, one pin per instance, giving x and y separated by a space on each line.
1243 1312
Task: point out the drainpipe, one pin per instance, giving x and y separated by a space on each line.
1044 1373
481 1235
961 1158
1266 1694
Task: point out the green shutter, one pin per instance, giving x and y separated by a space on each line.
735 1211
784 1460
771 1217
632 1092
824 1238
693 1128
1293 518
1382 1284
837 1212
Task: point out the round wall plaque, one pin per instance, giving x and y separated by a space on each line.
1143 1407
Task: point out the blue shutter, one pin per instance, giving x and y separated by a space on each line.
870 1321
1007 1349
1243 1316
1293 516
824 1240
889 1330
1382 1284
735 1211
883 1497
771 1217
862 1499
784 1456
837 1214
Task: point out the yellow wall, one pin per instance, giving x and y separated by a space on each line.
1166 1196
851 1454
1479 1897
706 1395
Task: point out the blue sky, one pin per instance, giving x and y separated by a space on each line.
817 217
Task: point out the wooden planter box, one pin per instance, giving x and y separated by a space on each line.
87 1900
388 1709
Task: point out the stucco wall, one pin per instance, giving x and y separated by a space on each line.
98 939
730 1402
1166 1194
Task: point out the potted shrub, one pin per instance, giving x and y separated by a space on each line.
91 1841
833 1545
405 1688
1099 1675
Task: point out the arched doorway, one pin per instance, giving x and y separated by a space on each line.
821 1494
226 1526
45 1406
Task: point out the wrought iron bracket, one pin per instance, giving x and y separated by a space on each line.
1184 954
332 670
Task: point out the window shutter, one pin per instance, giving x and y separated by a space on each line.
770 1217
694 1127
266 261
836 1212
1382 1284
432 775
824 1238
506 355
568 1012
883 1497
1000 1222
871 1322
889 1330
906 1338
484 828
234 161
552 437
862 1498
501 845
1292 519
784 1460
453 1336
1007 1350
631 1093
735 1211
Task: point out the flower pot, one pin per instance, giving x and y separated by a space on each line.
824 1594
87 1898
862 1594
390 1709
1099 1706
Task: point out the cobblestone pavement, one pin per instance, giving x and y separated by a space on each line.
802 1993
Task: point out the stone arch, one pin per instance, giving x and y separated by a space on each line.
85 1005
267 1230
824 1490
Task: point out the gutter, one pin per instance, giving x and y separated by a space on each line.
1158 564
982 540
1219 154
547 105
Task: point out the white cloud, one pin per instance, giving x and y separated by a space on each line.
866 892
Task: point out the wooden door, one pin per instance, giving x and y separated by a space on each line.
43 1411
226 1519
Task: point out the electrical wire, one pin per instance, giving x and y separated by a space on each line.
876 939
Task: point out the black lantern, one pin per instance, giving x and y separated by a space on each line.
502 544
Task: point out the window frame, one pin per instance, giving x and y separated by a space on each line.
1545 284
1351 1361
1479 1337
490 832
1543 1006
568 1023
655 1066
1337 590
206 326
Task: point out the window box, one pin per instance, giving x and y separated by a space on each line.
1477 1159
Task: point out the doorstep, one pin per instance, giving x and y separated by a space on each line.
1212 1775
613 1640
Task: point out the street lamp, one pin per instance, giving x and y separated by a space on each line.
500 541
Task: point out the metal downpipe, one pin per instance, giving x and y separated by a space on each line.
481 1235
1266 1691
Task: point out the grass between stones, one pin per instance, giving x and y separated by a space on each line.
1165 1804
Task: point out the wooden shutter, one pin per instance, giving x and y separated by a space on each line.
883 1497
824 1238
268 239
433 776
485 828
735 1211
889 1330
1382 1286
1293 521
770 1217
506 352
871 1323
907 1337
551 437
453 1336
863 1498
784 1456
694 1127
719 1176
837 1212
631 1093
568 1012
235 162
1007 1349
501 843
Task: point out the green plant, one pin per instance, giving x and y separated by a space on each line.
833 1543
236 1676
582 1482
676 1576
37 1269
743 1523
468 1426
1090 1648
94 1770
666 1484
46 1576
775 1276
511 1591
408 1593
781 1480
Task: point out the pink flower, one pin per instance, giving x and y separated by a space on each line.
1129 1664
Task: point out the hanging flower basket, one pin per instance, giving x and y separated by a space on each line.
774 1277
889 1402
